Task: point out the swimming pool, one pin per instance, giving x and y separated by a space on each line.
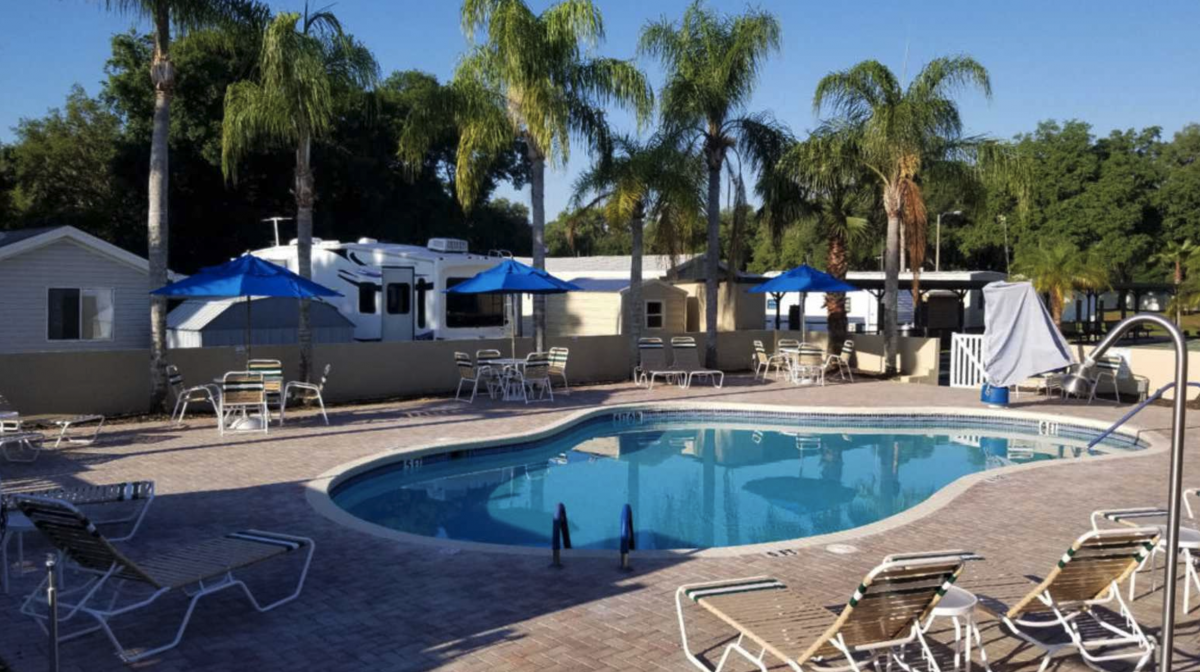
701 479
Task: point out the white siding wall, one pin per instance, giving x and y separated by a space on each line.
25 279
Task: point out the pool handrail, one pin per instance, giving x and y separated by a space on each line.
1175 482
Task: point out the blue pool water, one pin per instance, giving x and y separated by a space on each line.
696 482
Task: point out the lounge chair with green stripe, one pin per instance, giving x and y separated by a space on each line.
1048 613
882 617
117 585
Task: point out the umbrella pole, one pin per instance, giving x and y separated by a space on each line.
248 328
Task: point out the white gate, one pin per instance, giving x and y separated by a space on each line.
966 360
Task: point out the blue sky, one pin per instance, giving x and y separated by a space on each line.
1114 64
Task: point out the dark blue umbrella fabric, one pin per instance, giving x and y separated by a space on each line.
513 277
803 278
246 276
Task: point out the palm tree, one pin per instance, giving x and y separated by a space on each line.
826 183
637 181
901 129
307 64
712 64
163 14
1058 269
1177 255
530 82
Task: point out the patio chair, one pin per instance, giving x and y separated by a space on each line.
15 445
558 366
652 363
197 570
491 372
467 373
305 392
1189 542
272 375
882 617
842 360
807 365
536 377
686 361
1086 576
243 391
210 394
131 500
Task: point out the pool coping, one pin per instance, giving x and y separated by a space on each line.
318 490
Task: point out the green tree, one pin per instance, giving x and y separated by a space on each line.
1179 197
712 64
638 181
1178 256
1058 269
901 129
305 61
529 82
163 14
833 192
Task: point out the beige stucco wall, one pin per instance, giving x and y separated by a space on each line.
601 313
116 382
737 309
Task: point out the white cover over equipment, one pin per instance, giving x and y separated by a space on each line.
1019 336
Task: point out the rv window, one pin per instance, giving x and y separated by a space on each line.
654 314
79 314
469 311
399 298
366 299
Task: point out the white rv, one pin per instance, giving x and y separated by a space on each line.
394 292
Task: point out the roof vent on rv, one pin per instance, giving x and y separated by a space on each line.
367 241
447 245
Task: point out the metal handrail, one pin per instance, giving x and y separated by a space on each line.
1175 479
1136 409
560 535
627 540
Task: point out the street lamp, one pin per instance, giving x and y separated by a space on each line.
937 255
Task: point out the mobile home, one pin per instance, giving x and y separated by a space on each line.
394 292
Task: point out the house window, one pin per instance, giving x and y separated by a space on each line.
366 299
79 314
654 314
399 298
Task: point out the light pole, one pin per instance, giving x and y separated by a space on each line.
937 254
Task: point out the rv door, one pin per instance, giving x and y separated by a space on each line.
398 310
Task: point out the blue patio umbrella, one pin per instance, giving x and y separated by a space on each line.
511 277
803 279
246 276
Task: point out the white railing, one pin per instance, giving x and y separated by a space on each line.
966 360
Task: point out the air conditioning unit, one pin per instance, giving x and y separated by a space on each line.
448 245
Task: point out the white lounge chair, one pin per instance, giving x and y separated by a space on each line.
1048 613
882 617
686 361
197 570
306 392
652 363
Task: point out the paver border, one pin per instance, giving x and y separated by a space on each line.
318 491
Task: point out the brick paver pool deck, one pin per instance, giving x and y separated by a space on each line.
378 604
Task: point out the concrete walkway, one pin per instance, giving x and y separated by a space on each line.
375 604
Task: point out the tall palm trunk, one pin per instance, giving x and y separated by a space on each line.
636 312
162 73
891 277
712 258
537 186
304 235
835 302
